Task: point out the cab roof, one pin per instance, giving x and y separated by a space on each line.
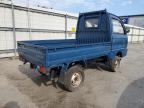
93 12
97 12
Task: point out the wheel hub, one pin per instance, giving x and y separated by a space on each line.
76 79
116 63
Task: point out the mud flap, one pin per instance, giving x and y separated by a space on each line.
63 71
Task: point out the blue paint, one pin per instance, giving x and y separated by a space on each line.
90 43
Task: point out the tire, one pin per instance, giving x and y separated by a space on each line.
74 78
114 63
32 66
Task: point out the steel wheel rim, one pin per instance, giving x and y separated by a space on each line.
76 79
116 63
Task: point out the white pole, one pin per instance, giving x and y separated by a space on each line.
29 21
14 33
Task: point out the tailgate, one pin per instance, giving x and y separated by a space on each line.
34 54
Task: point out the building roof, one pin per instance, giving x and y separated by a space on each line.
138 15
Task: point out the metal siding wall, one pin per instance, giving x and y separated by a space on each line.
9 40
20 36
6 40
2 40
141 35
71 35
137 21
6 17
141 32
44 21
2 19
136 34
47 36
71 23
2 55
141 38
21 19
129 38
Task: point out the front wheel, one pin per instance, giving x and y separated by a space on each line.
114 63
74 78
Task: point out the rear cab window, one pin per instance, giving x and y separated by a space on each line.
92 22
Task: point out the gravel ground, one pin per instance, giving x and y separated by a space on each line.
21 87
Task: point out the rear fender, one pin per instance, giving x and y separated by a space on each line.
81 63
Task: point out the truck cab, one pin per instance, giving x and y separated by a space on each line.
100 36
102 27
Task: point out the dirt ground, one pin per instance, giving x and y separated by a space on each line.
21 87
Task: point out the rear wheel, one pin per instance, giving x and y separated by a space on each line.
74 78
114 63
32 66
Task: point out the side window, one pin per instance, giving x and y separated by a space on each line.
91 23
117 27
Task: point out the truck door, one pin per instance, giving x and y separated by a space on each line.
119 37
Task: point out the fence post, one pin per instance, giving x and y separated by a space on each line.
29 20
143 38
139 35
143 35
65 26
14 33
132 35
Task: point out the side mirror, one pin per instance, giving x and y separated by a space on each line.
127 29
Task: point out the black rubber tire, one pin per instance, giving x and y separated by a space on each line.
74 69
32 66
113 67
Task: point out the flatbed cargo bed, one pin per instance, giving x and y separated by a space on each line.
52 52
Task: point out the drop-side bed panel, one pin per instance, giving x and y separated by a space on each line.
54 53
36 51
82 52
32 53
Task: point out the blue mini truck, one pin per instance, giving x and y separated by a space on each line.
100 36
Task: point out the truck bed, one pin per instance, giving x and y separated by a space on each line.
56 52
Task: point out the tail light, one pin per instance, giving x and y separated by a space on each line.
42 69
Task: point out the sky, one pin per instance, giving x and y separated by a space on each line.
118 7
